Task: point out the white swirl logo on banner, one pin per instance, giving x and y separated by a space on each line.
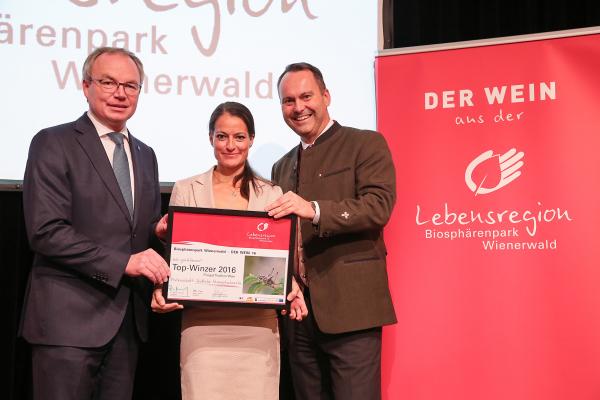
508 165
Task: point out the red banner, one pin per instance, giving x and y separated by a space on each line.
494 260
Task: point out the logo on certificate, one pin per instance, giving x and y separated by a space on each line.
261 233
263 226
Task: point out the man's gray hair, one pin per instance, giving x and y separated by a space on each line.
91 58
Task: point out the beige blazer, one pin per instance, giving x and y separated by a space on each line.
197 192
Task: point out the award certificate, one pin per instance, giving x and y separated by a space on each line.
229 257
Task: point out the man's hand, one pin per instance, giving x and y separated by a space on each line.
298 309
159 305
149 264
161 228
290 203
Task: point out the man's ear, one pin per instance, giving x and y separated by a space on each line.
327 97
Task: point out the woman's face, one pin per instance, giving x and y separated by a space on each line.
231 142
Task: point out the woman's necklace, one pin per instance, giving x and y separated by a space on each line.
234 191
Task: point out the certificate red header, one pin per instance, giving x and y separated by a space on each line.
260 231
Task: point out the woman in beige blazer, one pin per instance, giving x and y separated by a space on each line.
229 353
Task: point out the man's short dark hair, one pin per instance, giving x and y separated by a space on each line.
304 66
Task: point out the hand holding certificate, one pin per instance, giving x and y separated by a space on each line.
229 257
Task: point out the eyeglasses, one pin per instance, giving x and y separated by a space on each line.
110 86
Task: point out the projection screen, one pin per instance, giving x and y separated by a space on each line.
197 54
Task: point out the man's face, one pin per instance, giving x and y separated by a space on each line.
303 104
112 109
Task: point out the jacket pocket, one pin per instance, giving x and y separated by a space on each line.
362 259
334 172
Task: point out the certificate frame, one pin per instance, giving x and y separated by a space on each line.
223 257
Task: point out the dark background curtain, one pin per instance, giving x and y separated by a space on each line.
405 23
421 22
158 372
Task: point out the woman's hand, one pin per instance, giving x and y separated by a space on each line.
160 230
159 305
298 309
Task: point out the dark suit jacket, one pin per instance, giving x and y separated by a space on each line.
350 173
80 230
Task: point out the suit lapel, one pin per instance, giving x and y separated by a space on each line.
90 142
202 190
295 161
256 203
253 199
138 163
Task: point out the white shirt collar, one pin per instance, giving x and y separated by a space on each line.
305 145
102 129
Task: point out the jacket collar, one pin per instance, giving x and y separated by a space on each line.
202 190
88 138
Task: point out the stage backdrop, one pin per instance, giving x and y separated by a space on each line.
197 54
494 253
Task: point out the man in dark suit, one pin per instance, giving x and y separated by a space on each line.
92 208
340 181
